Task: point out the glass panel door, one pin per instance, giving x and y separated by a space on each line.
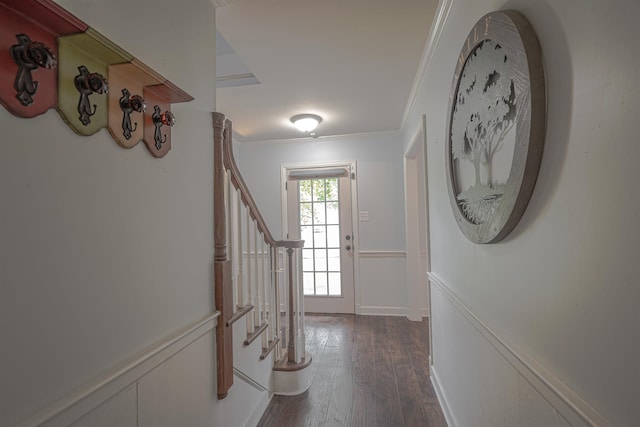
319 212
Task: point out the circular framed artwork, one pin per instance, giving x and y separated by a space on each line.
496 126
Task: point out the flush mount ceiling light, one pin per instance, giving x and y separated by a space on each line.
306 122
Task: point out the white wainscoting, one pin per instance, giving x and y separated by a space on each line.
482 380
172 383
383 283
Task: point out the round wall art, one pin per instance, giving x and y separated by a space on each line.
496 126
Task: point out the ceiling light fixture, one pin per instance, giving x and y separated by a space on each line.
306 122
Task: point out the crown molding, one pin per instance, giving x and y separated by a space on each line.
442 14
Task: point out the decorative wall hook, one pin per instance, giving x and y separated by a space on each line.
129 104
88 83
29 55
159 119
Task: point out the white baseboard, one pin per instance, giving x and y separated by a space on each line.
444 404
72 407
259 409
372 310
565 401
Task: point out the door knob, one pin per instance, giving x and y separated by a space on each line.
348 247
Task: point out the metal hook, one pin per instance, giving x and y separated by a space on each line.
129 104
159 119
29 55
88 83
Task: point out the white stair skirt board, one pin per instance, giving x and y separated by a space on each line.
292 383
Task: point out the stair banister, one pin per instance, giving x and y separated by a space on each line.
262 288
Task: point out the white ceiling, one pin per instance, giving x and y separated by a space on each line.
353 62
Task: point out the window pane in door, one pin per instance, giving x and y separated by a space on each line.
306 217
334 284
307 260
321 260
318 190
319 213
333 260
308 283
320 236
332 189
333 236
306 234
321 283
333 213
305 191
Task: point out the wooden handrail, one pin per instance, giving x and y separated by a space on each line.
230 165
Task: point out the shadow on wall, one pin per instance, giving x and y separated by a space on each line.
559 82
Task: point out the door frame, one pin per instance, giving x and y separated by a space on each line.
416 214
415 169
284 171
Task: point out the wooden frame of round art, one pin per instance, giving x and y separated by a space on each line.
514 35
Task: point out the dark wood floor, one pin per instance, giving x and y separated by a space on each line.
367 371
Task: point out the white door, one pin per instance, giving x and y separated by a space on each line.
319 212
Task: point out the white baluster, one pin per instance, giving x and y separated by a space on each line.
231 236
263 290
276 303
239 281
256 275
301 305
250 319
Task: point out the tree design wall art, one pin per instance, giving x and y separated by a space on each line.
496 126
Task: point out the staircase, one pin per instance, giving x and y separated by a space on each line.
257 286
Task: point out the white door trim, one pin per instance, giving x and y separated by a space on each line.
414 160
284 171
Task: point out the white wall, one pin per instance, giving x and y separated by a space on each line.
105 251
561 290
380 192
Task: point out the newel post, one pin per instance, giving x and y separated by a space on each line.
223 285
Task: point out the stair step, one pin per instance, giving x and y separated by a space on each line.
269 349
240 312
255 334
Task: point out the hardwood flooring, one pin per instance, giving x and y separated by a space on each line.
367 371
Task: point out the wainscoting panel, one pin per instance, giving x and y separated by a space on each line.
121 410
171 384
78 404
383 283
481 380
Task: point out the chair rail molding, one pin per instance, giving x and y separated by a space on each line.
74 406
562 398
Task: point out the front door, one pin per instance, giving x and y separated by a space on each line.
319 212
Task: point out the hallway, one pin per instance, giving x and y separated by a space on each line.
368 371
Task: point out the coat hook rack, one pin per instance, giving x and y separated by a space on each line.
88 65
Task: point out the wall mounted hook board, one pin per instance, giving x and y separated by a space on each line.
49 58
159 119
29 54
126 85
82 79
